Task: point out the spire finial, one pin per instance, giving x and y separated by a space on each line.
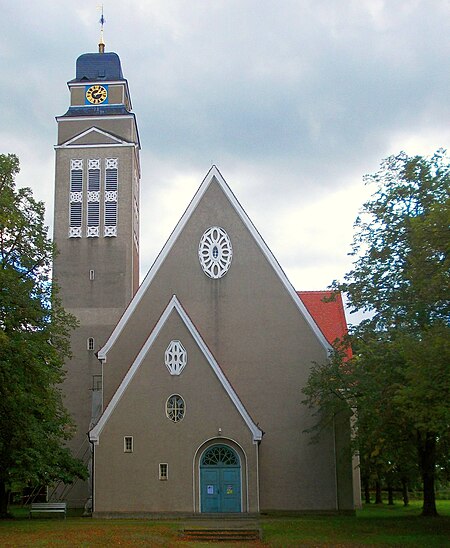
101 44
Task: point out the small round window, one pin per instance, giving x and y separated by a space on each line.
215 252
175 408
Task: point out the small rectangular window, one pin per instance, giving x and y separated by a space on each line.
92 274
128 444
163 471
91 343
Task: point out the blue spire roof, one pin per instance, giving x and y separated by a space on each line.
98 66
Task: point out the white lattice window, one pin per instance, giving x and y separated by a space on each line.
94 175
93 196
111 163
75 219
76 175
76 164
75 232
91 343
110 213
92 231
110 231
93 219
93 199
94 164
111 178
175 408
215 252
110 198
175 357
76 198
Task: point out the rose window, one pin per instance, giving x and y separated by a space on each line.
215 252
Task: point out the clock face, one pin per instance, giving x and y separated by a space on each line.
96 95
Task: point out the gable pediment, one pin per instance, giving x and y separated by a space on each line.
214 193
174 307
94 137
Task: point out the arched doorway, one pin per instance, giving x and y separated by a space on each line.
220 480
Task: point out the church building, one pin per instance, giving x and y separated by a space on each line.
185 390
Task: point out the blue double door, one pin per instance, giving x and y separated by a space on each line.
220 485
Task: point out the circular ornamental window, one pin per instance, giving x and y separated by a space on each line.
215 252
175 408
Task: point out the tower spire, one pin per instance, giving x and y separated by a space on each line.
101 44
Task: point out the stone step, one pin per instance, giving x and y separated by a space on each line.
217 535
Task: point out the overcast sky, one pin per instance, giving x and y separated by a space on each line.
293 100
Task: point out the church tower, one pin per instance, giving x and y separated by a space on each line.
96 228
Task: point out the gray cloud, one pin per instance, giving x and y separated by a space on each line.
293 100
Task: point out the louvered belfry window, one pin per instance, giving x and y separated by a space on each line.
93 199
76 198
111 189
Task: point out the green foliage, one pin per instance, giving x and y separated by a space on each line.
399 379
34 341
401 245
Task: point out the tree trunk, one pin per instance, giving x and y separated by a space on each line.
405 492
366 490
390 494
378 499
4 495
427 463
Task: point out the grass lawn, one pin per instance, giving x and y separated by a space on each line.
373 526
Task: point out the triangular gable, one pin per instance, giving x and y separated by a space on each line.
94 136
213 174
174 304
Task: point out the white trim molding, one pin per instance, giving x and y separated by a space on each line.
116 140
213 175
174 305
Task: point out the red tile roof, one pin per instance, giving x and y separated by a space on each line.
329 316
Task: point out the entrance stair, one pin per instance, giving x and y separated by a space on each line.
217 535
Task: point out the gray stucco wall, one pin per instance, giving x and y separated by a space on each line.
129 482
261 341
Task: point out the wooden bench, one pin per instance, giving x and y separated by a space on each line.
48 507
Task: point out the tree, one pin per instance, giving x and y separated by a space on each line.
400 277
34 342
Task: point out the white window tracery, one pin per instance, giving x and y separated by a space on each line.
93 199
175 357
215 252
110 197
76 198
175 408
